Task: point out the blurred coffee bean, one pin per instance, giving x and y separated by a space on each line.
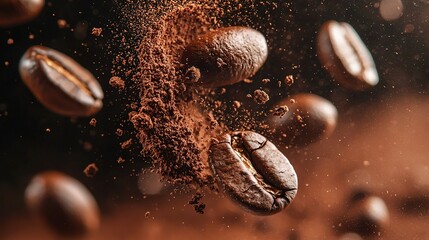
59 83
15 12
415 199
63 203
350 236
366 215
253 172
226 55
342 52
310 118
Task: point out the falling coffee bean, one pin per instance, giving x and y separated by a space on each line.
342 52
63 203
59 83
253 172
15 12
310 118
366 215
226 55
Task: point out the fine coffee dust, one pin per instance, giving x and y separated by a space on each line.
173 133
177 120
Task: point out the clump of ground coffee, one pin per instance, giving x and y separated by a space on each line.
171 129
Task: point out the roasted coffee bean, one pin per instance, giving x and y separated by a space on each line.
367 215
253 172
63 203
226 55
310 118
342 52
15 12
59 83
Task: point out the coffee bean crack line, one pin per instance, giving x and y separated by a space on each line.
65 72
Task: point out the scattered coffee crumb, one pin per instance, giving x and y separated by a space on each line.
61 23
119 132
91 170
222 91
195 201
248 80
292 101
249 95
289 80
48 130
96 31
117 82
10 41
280 111
300 119
93 122
236 104
127 144
31 36
120 160
265 80
192 75
217 104
147 214
409 28
199 208
134 106
260 97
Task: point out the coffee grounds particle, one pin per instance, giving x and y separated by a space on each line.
91 170
127 144
192 75
93 122
260 97
199 208
119 132
289 80
195 201
61 23
236 104
265 80
117 82
96 31
280 111
120 160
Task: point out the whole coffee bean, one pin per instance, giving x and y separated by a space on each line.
367 216
15 12
310 118
63 203
342 52
226 55
253 172
59 83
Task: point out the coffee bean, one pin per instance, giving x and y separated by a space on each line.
367 216
342 52
15 12
310 118
253 172
63 203
59 83
226 55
